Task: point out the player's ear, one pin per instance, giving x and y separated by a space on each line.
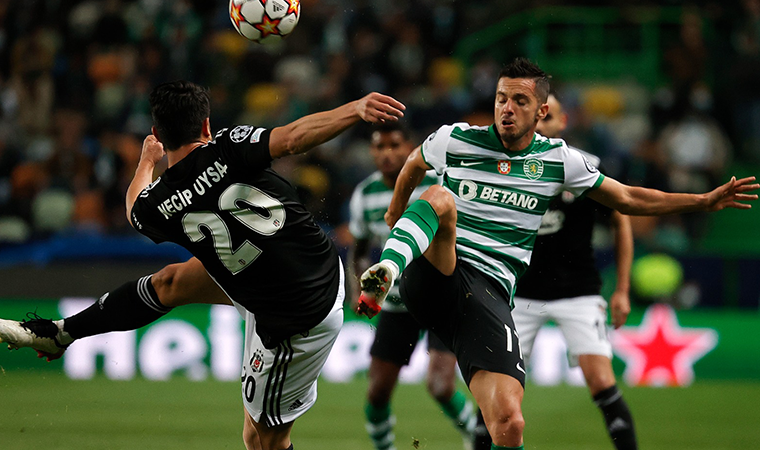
543 110
206 133
154 130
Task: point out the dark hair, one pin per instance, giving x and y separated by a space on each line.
178 109
390 127
525 68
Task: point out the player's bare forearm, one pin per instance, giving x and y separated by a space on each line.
315 129
623 235
143 177
409 178
639 201
152 152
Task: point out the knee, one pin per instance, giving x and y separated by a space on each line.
506 426
440 388
442 202
599 381
164 282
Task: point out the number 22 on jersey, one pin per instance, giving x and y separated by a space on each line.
239 199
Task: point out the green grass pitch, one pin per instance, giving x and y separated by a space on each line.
47 410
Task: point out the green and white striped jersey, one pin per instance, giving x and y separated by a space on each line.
501 196
368 205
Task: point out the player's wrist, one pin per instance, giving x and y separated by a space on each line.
146 163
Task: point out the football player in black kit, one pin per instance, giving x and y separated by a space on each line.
562 284
254 245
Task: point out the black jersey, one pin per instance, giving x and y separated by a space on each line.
245 223
563 263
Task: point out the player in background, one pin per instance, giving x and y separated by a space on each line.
254 244
562 284
397 332
477 231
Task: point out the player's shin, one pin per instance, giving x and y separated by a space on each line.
618 418
409 239
130 306
411 235
379 426
462 414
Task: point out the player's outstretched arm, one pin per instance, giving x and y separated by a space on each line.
639 201
315 129
152 152
620 302
409 178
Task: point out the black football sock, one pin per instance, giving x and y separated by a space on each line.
618 418
291 447
130 306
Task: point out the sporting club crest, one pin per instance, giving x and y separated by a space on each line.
533 168
505 167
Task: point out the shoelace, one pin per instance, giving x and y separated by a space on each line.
33 316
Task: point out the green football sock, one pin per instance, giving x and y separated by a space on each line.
461 412
380 426
496 447
411 235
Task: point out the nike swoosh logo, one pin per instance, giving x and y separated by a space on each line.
467 164
520 368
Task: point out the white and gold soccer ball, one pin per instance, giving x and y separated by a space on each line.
264 20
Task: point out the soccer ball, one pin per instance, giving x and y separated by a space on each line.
265 20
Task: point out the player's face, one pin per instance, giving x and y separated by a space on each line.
555 121
517 110
389 151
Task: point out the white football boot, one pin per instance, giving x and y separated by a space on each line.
40 334
376 282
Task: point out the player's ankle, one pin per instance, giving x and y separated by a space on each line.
393 269
63 337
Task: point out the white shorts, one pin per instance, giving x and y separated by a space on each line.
582 321
280 384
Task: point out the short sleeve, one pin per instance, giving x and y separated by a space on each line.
435 146
357 226
144 217
245 143
580 174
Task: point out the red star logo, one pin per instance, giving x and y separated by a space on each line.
235 14
293 6
659 352
268 26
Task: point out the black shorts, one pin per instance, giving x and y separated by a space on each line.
396 337
469 311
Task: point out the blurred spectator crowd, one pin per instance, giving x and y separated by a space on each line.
75 77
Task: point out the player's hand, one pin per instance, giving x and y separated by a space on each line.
729 195
391 216
620 307
377 108
152 150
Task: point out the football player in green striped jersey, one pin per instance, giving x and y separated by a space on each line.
397 332
563 285
477 231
